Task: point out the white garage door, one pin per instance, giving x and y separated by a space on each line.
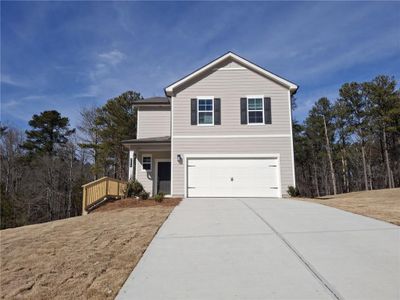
232 177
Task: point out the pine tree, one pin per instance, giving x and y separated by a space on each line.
322 116
117 122
353 97
49 129
384 111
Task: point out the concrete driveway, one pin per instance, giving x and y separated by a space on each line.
267 249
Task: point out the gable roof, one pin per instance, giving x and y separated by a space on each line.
230 55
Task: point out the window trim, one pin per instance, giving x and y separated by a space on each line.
198 111
262 110
151 162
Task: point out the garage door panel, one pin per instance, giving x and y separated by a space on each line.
232 177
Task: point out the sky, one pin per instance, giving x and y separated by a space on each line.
71 55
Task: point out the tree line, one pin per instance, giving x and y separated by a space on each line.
43 168
352 143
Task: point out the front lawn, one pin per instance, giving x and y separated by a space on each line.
379 204
86 257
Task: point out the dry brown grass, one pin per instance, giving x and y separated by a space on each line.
379 204
86 257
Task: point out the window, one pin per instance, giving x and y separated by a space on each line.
255 110
205 109
146 162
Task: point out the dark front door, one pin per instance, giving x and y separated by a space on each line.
164 177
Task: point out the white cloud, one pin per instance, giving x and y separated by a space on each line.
106 77
113 57
7 79
9 104
103 69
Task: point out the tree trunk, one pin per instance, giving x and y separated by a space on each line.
316 180
388 170
364 165
69 204
303 171
328 150
371 186
326 184
346 182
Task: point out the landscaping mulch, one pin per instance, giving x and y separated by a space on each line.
132 202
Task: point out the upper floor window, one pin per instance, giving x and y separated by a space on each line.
205 110
255 110
146 162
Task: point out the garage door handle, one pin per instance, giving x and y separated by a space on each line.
191 187
273 166
274 187
231 178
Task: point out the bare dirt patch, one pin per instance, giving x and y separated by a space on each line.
86 257
379 204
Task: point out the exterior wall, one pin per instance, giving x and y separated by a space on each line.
252 145
230 86
232 64
154 122
230 83
147 178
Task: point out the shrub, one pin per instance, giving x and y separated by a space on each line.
293 191
133 188
144 195
159 197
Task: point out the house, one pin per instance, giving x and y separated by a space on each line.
224 130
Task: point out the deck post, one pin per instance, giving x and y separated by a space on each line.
84 212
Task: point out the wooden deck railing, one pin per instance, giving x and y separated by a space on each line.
98 190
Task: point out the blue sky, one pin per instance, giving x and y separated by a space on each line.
69 55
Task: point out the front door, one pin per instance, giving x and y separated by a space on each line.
164 177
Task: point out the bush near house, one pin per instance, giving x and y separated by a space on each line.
144 195
159 197
134 188
293 191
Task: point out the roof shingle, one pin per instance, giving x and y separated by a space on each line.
153 100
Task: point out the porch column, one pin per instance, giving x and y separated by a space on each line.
131 171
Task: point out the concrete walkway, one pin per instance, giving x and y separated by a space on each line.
267 249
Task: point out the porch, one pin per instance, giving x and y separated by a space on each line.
150 163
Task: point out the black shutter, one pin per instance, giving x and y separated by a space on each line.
217 111
267 111
243 110
193 111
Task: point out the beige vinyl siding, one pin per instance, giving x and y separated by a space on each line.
259 145
154 122
230 86
147 178
232 64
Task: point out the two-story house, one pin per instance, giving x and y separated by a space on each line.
224 130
